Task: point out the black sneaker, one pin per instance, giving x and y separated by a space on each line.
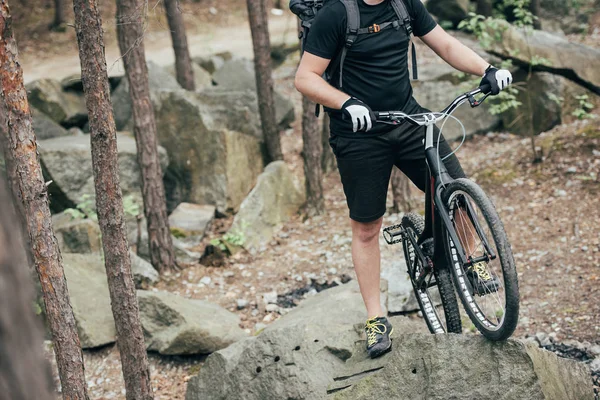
482 281
378 330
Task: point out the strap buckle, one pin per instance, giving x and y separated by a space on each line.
374 28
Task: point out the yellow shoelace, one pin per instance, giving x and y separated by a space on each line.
481 270
373 328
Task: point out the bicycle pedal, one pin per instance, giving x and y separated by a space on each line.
393 234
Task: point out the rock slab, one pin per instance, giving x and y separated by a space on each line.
273 201
62 107
76 235
176 325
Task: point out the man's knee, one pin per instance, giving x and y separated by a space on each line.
366 231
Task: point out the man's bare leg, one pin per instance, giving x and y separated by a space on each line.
367 263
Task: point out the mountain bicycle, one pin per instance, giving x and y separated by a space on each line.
467 247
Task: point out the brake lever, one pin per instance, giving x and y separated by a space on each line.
474 102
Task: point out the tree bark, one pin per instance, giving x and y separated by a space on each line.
130 32
534 7
22 147
183 61
259 27
401 190
109 200
59 14
24 372
328 159
312 151
485 7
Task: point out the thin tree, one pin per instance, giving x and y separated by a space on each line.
130 31
24 373
312 151
109 200
402 199
22 146
59 15
259 27
328 159
183 61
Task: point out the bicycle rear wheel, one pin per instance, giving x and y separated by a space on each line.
436 288
493 307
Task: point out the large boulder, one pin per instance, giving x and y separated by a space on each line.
272 202
238 74
437 94
462 367
572 60
143 272
202 78
453 11
90 299
67 162
191 220
211 162
295 356
158 79
76 235
213 62
176 325
45 127
65 108
548 100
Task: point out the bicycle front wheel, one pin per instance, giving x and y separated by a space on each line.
487 283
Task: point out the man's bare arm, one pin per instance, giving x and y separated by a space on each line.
309 82
454 52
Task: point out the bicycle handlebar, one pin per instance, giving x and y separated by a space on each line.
433 117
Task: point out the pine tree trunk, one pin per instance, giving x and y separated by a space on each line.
183 61
257 14
131 32
59 15
534 7
24 372
33 191
312 151
401 190
328 159
109 201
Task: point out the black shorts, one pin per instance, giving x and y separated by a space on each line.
365 164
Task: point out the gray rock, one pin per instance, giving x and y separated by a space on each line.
143 272
76 235
45 127
175 325
238 74
564 56
449 10
242 303
191 220
202 78
420 366
90 299
436 95
67 161
273 201
552 103
62 107
214 62
158 79
210 163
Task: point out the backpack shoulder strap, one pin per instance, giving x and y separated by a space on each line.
352 27
404 16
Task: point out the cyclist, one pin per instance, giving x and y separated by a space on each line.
376 76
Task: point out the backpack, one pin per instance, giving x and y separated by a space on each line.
307 10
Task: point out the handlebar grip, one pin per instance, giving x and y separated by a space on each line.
485 88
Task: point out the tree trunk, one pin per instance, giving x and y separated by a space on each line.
109 200
485 7
130 31
183 61
328 159
534 7
59 15
401 190
24 372
257 14
312 151
44 246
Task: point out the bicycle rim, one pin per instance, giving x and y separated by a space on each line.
493 311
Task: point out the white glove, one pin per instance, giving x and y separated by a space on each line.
361 115
496 79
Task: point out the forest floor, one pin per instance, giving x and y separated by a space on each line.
549 209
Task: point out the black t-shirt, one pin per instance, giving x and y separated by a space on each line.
376 66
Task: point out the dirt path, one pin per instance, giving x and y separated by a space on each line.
234 38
